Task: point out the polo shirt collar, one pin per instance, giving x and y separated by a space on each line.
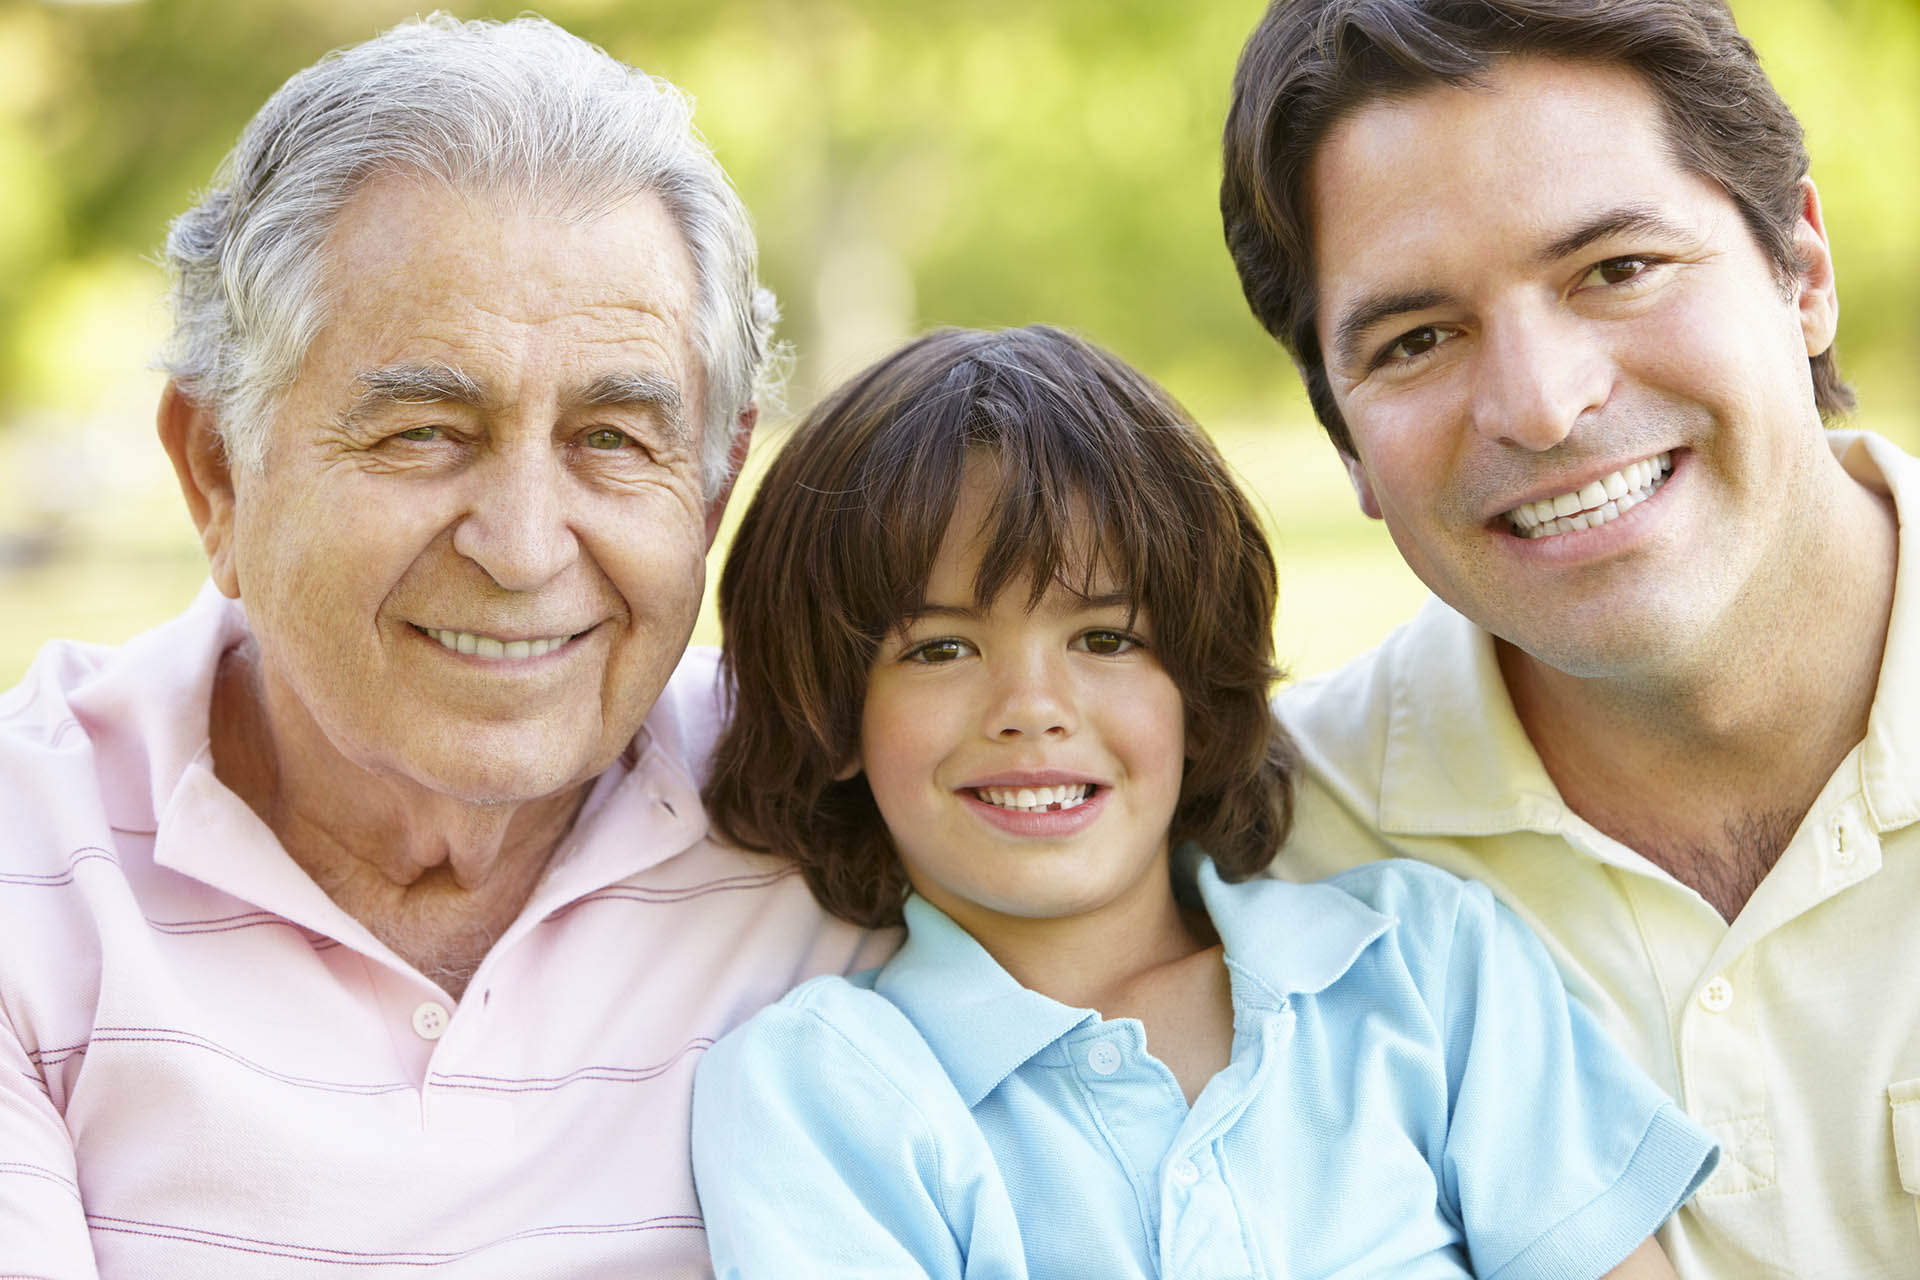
145 713
1447 688
980 1023
1890 752
1295 939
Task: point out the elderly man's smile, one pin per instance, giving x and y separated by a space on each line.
496 648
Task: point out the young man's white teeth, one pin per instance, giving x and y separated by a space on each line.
1594 503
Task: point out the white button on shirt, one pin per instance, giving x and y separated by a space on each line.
1103 1059
430 1020
1184 1173
1716 996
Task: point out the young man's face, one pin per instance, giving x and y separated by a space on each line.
1577 390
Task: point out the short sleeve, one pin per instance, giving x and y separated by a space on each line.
43 1229
829 1143
1561 1155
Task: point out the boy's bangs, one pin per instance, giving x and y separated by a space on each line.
1071 490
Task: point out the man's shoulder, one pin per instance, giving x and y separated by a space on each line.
93 731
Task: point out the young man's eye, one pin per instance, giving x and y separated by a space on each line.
932 652
1617 270
1108 643
1412 344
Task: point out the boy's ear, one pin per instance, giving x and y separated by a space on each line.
192 441
850 769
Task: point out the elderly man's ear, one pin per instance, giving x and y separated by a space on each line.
736 458
192 441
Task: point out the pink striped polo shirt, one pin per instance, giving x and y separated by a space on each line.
208 1070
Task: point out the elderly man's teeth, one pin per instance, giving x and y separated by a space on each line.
487 647
1037 799
1589 508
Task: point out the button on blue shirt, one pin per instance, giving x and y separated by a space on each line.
1411 1093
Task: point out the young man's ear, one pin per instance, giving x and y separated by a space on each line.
1815 291
192 440
1362 487
736 458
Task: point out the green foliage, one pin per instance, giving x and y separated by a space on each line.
910 164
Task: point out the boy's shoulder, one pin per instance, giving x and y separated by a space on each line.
831 1020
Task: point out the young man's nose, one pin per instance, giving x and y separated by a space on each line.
1534 376
518 523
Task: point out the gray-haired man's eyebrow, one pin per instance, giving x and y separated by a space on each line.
415 384
640 390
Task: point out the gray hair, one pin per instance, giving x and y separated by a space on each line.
522 108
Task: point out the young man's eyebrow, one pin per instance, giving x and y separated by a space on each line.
1627 219
1370 310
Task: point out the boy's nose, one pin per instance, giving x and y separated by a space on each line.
1032 701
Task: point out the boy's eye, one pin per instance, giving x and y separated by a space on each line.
1107 644
945 649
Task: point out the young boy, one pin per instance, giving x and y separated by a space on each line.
999 624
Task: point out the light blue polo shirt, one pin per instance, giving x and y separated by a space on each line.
1411 1094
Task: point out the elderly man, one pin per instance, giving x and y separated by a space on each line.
363 920
1560 289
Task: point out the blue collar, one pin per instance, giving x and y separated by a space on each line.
983 1026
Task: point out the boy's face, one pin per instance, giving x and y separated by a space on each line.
1027 764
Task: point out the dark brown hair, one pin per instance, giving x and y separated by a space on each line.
1310 63
837 546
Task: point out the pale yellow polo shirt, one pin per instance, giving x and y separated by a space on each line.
1792 1034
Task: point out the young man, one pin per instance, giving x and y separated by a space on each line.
1559 287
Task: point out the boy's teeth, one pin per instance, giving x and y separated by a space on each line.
1589 508
1037 799
488 647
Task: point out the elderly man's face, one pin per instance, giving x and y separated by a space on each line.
476 549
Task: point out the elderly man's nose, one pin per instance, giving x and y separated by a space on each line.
517 524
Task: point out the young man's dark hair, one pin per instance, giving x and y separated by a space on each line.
1310 63
1100 476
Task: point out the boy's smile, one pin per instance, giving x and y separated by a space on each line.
1027 762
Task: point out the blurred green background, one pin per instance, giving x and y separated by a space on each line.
908 164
